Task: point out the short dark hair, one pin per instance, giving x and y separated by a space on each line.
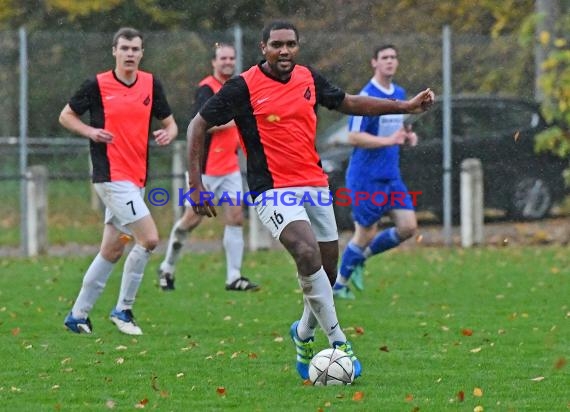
128 33
278 25
383 47
219 45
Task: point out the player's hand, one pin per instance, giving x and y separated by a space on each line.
162 138
201 206
101 136
421 102
411 136
412 139
399 136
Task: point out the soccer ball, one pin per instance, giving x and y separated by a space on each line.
331 367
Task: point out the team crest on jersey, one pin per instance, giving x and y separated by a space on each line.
307 94
273 118
147 101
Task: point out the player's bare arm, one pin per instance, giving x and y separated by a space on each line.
369 141
222 127
168 132
196 135
72 122
372 106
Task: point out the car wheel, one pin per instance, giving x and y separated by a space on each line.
343 215
531 199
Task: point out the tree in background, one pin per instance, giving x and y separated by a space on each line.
554 81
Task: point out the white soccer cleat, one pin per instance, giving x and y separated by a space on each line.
125 321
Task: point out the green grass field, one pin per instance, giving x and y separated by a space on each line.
435 329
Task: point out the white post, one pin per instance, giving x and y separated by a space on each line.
471 191
259 236
36 211
178 176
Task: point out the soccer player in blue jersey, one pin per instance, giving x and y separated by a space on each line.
374 167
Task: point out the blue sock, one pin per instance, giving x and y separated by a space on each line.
385 240
351 257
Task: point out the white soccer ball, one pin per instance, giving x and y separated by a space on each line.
331 367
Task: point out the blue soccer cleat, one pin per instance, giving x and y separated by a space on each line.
347 347
357 277
305 351
78 325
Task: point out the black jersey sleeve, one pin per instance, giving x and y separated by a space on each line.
231 101
203 93
85 97
160 107
328 94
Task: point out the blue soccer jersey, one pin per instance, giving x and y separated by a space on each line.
381 163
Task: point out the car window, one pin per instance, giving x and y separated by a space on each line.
427 125
473 121
516 117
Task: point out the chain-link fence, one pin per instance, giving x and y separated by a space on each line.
58 62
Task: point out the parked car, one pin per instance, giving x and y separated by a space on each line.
499 131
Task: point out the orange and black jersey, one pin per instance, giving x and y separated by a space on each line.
125 111
277 121
220 151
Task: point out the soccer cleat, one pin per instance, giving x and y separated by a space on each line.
357 277
347 347
78 325
165 280
125 321
343 292
305 351
242 284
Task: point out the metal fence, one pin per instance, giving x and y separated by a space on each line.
58 62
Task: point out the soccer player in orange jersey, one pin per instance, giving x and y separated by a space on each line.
121 103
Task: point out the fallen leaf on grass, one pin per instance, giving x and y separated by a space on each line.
478 408
359 330
153 383
54 387
461 396
537 379
142 403
252 355
15 331
65 360
358 395
409 397
467 332
120 361
478 392
476 350
110 404
121 347
220 390
560 363
278 339
384 349
179 375
307 382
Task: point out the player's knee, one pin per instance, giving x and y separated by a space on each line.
307 256
407 230
112 254
150 243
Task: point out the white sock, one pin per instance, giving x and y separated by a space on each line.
175 244
94 282
233 245
308 323
132 276
318 294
